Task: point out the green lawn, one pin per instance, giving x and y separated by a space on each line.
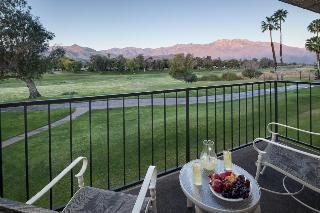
62 85
250 127
13 122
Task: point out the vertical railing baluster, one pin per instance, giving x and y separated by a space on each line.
298 121
270 89
90 141
207 120
49 150
231 91
252 110
152 136
310 114
265 108
286 105
124 139
215 119
139 138
26 150
197 123
70 148
239 114
108 143
165 131
1 162
276 114
259 110
177 126
187 127
246 89
224 118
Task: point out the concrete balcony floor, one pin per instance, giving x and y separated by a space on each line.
170 197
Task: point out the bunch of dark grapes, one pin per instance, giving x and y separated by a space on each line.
239 189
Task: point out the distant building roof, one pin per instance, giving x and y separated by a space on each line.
313 5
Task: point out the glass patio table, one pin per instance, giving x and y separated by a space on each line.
205 201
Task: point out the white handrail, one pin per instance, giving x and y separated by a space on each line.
149 182
60 176
289 127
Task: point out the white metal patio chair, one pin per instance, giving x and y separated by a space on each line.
298 163
89 199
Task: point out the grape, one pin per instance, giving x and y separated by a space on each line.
247 184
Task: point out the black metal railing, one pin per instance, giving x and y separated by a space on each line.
121 134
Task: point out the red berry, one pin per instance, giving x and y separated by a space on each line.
228 173
216 176
217 186
223 175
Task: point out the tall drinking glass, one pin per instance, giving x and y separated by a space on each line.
196 168
227 159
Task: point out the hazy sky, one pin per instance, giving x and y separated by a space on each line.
103 24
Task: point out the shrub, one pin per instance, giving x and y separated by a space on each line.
209 78
70 93
251 73
190 77
230 76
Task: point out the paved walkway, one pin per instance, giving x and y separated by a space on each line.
83 107
78 112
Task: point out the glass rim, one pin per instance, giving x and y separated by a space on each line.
208 142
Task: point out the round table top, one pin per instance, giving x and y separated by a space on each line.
202 196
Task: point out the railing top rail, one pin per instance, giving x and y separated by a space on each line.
133 94
298 82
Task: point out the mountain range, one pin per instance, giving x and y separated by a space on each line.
224 48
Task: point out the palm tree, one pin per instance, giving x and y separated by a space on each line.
270 24
280 17
313 45
314 27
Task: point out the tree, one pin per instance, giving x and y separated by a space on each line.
313 45
140 62
189 62
132 65
280 17
265 62
181 66
270 24
314 27
55 56
120 63
23 41
177 68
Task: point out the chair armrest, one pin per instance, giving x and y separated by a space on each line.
256 148
149 182
289 127
60 176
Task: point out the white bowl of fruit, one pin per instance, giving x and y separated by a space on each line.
230 186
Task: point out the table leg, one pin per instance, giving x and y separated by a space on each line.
198 210
189 203
258 209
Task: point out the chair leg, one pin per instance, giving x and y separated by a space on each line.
198 210
258 167
189 203
263 169
153 206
